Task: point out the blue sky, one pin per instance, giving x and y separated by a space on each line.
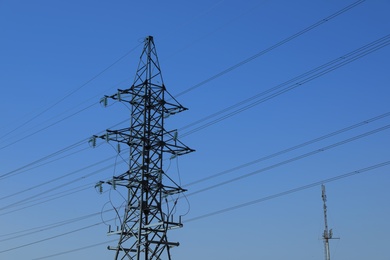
58 58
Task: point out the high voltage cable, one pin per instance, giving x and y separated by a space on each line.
64 193
269 197
259 54
242 205
14 204
360 52
44 128
311 27
365 122
35 230
75 250
56 122
50 238
23 168
321 70
58 178
278 90
336 178
72 92
358 1
306 154
16 171
292 159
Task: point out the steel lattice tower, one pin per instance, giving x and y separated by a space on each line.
328 233
144 226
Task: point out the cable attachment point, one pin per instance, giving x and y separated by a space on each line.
104 101
92 141
100 186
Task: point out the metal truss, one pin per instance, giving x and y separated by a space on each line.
144 226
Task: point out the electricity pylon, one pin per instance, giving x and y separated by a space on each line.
144 225
328 233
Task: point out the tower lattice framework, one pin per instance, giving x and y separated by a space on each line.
147 216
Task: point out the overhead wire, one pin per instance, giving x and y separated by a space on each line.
306 154
291 84
246 204
23 201
311 27
290 149
321 70
284 41
359 52
52 237
28 166
259 54
24 167
31 231
72 92
274 196
293 159
75 250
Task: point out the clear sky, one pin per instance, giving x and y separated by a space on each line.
259 77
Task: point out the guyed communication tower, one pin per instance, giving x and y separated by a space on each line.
328 233
148 213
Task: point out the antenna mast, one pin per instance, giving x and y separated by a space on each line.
328 233
149 207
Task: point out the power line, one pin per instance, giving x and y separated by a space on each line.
70 147
365 122
291 84
336 178
328 147
247 60
17 171
246 204
286 40
61 177
321 70
50 238
23 201
301 156
75 250
72 92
